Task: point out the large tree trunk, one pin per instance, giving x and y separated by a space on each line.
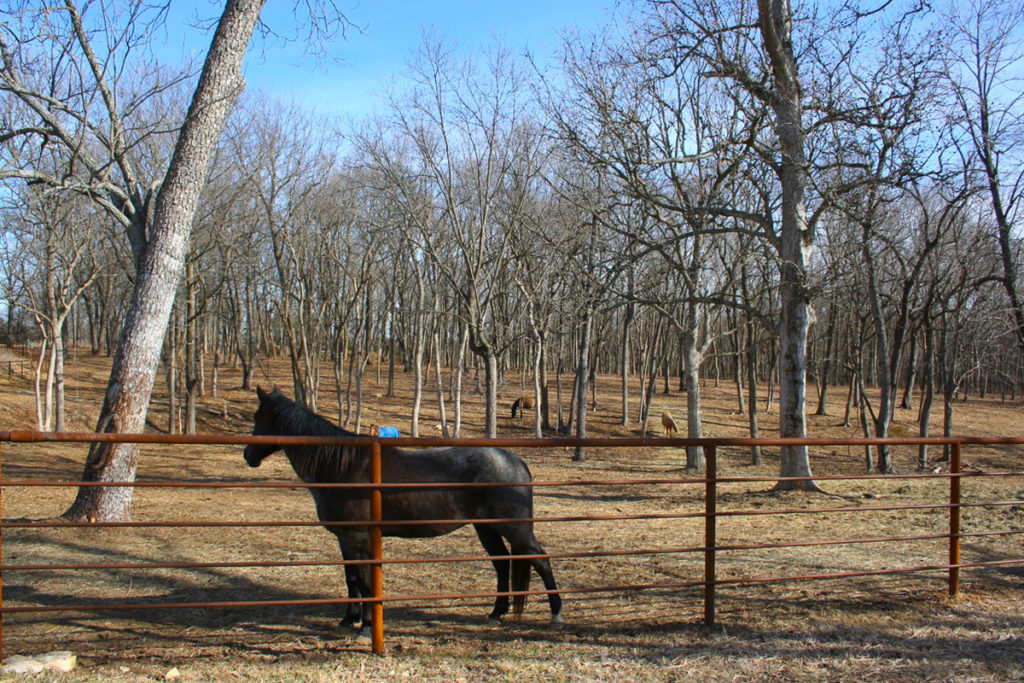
419 344
582 375
775 17
885 370
457 380
189 359
442 411
911 377
737 355
692 359
60 423
624 364
647 394
538 387
42 419
491 392
482 347
826 362
755 450
138 350
927 392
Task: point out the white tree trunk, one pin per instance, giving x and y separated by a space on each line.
692 359
582 376
775 18
138 350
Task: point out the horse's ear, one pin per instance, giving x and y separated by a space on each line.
261 392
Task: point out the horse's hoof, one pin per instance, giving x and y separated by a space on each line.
495 621
556 621
344 627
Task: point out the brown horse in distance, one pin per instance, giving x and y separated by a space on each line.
521 405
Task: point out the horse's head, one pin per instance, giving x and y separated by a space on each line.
262 425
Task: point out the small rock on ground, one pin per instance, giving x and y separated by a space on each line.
61 660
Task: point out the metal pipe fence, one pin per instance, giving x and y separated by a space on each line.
711 515
11 364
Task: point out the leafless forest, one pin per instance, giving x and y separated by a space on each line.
774 196
802 212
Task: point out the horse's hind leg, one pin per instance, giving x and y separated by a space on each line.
495 547
523 542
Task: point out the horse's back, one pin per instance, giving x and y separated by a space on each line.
457 465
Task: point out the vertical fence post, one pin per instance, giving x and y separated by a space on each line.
377 550
710 510
954 520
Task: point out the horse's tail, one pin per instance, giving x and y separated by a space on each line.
520 582
515 406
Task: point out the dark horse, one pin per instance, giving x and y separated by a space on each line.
279 415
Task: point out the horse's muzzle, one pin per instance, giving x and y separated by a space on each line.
251 456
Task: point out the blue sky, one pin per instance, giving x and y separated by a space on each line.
351 82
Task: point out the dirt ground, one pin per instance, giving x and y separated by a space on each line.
898 627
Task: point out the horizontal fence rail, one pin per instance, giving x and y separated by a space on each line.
708 551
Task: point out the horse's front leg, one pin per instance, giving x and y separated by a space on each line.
352 611
357 578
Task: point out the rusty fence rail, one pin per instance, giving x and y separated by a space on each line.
709 550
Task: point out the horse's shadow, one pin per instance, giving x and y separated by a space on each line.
307 631
256 629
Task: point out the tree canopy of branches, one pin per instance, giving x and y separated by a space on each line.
811 196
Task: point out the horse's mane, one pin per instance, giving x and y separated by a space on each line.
318 463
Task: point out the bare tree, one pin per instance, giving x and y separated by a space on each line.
880 154
131 380
542 283
58 234
286 183
982 63
671 143
753 46
465 136
88 102
87 105
796 236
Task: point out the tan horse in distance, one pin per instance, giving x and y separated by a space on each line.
669 424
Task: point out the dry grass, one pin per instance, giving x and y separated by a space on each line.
895 628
